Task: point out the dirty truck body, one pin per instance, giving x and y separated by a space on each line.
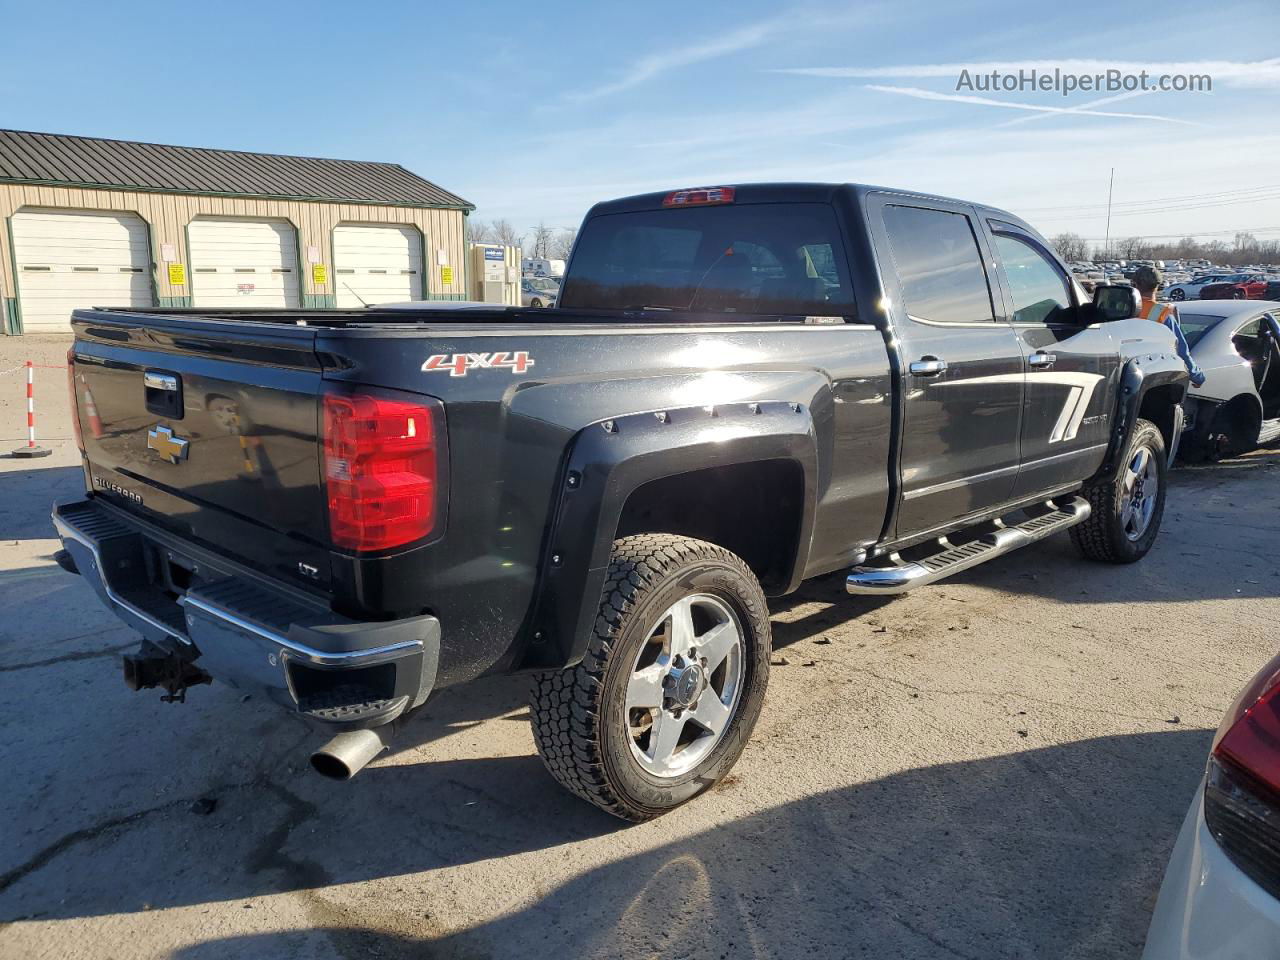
741 388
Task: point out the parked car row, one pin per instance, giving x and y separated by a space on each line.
1221 286
1187 280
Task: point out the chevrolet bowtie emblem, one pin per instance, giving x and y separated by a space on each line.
162 441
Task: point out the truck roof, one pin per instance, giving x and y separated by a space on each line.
786 192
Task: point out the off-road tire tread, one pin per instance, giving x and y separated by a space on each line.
564 705
1092 537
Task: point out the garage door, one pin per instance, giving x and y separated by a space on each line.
376 264
77 258
243 263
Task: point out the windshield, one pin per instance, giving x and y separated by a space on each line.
775 259
1196 325
543 285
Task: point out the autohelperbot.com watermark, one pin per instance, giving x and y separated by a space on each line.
1066 83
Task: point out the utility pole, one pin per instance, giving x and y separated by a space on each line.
1110 187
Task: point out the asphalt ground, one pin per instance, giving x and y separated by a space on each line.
994 766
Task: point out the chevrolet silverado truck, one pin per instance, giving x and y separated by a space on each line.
739 388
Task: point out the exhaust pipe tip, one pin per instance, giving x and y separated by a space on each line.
348 753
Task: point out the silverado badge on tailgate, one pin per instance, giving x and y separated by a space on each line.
162 440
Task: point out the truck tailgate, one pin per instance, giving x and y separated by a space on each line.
209 429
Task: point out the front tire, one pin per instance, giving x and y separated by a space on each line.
672 683
1177 293
1127 509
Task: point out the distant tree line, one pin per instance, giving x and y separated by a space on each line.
542 242
1241 250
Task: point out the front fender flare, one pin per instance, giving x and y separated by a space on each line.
1138 377
607 461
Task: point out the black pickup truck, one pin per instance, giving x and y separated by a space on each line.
741 387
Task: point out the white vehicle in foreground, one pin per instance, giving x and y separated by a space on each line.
1219 896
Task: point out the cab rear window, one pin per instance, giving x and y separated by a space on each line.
765 260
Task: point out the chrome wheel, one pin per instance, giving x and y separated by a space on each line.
684 686
1177 293
1141 488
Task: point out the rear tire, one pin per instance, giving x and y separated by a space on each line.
593 724
1126 511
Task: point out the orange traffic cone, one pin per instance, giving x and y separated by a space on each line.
91 408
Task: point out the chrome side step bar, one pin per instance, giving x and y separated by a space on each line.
892 574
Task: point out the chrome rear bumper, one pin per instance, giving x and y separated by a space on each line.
244 629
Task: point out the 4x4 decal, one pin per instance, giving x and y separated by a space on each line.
458 364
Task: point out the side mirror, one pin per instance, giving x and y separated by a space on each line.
1115 301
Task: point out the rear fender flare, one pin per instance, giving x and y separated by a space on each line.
610 459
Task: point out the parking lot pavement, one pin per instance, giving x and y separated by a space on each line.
995 766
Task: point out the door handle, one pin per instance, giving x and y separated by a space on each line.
159 381
1042 360
927 366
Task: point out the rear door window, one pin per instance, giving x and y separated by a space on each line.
939 266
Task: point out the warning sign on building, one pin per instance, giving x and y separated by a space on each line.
319 274
177 274
446 276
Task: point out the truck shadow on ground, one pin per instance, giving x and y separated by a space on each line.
1049 852
19 489
1203 501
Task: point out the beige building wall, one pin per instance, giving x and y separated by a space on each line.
167 215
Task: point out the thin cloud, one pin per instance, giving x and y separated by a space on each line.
1243 73
797 21
920 94
1079 108
656 64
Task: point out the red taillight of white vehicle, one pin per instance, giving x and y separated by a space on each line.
698 197
382 463
1242 788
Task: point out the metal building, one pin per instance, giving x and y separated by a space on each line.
91 222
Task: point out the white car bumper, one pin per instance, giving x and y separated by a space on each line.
1208 909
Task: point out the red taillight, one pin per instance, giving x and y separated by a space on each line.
382 468
698 196
75 407
1242 781
1252 741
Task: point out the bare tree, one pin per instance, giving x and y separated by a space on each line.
538 243
1071 246
1130 248
562 244
478 231
504 233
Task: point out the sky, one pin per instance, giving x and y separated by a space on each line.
533 111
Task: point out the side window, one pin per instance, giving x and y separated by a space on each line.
1250 329
1040 292
939 265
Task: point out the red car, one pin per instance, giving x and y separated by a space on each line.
1244 286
